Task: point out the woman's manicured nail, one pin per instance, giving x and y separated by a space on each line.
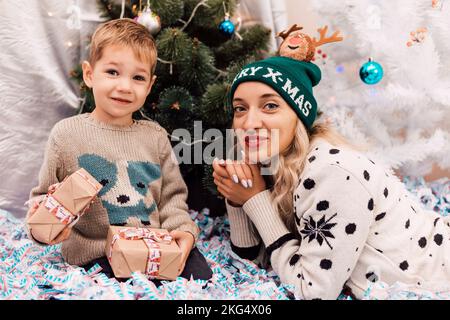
244 183
250 183
235 178
221 161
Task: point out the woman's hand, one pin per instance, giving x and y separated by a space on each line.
185 241
237 181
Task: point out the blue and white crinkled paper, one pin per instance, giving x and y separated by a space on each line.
28 271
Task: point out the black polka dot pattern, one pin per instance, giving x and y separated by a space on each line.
407 224
323 205
404 265
422 242
334 151
294 259
326 264
370 205
438 239
350 228
309 184
380 216
366 175
368 190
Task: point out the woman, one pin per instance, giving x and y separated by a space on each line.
332 218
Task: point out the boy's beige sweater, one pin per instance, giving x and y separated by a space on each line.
142 182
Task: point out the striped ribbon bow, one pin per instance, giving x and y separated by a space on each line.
152 239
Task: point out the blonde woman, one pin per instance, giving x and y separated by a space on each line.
328 217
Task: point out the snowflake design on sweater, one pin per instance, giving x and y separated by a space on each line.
319 230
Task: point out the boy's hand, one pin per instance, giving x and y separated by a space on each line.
33 209
185 241
65 234
36 204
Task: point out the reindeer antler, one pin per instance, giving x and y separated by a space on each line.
323 39
285 33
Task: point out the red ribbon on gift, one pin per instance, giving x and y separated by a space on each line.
58 210
151 238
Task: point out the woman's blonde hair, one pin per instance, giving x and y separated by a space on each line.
292 162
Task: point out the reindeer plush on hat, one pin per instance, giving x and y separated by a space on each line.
300 46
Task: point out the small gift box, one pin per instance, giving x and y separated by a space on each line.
64 206
151 251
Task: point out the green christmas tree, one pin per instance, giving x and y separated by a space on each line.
197 62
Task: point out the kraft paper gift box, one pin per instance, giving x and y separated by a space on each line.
64 206
151 251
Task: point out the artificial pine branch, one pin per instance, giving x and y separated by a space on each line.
255 39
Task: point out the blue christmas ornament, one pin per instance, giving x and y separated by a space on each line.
226 26
371 72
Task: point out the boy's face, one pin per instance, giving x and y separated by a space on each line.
120 83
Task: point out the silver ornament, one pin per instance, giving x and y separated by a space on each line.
150 20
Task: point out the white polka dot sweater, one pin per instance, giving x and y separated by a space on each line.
142 184
357 224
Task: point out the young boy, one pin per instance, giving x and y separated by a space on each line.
142 184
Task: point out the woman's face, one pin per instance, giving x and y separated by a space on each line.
264 123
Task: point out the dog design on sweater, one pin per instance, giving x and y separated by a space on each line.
125 191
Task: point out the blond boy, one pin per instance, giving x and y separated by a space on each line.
142 184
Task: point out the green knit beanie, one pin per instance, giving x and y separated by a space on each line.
292 79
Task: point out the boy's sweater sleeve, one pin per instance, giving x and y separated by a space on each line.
50 173
333 214
245 240
173 208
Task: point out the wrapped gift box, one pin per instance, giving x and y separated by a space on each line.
151 251
64 206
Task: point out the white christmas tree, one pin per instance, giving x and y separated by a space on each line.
404 119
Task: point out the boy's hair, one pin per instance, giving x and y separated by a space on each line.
125 32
